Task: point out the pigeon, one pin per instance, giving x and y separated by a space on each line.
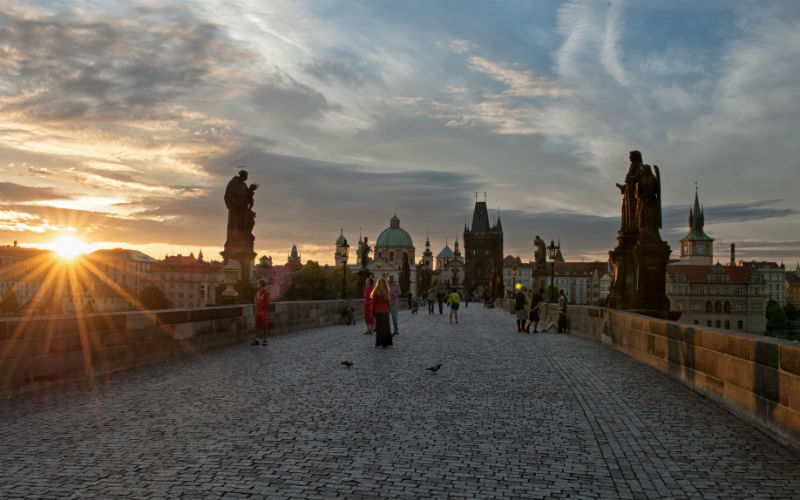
347 363
434 369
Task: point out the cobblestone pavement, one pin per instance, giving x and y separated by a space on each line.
509 415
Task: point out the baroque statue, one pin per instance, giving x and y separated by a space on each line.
648 202
539 254
629 213
239 199
365 251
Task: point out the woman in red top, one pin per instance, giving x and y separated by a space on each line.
262 312
380 309
369 319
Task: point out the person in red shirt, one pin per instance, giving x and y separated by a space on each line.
262 312
380 309
369 319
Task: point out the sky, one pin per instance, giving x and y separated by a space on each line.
122 122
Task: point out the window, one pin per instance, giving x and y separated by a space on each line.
727 324
740 325
708 306
391 256
727 307
718 307
708 323
718 324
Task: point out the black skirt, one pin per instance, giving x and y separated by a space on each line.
383 332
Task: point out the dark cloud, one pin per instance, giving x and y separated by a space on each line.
286 99
16 193
675 215
109 67
342 69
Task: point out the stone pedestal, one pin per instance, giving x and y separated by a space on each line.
640 276
242 253
623 288
652 258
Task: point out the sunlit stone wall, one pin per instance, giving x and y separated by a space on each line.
42 351
755 377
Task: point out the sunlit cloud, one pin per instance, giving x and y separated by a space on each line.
520 82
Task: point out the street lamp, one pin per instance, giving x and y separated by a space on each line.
343 254
552 250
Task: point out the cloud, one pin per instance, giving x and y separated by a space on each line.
677 216
284 98
71 66
13 193
521 83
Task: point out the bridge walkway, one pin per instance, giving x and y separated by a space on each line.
508 415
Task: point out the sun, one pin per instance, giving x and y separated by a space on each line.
68 247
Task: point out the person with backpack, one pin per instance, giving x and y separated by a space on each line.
453 300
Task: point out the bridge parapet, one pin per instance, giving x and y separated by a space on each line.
46 350
755 377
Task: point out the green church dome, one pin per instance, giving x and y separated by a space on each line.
394 236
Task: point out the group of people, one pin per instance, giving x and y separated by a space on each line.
532 313
381 298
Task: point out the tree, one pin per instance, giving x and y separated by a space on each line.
776 317
9 304
791 311
152 297
334 283
309 282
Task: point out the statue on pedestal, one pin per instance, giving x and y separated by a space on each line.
239 200
640 259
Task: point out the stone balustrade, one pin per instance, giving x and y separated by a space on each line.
41 351
753 376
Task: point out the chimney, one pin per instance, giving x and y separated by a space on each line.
15 242
733 254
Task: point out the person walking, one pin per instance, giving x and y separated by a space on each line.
261 312
453 300
466 298
534 311
440 300
394 300
519 307
380 310
431 300
369 319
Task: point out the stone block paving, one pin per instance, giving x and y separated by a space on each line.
509 415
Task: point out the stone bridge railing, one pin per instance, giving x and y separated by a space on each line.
41 351
755 377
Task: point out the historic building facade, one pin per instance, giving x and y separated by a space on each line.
727 297
483 253
188 282
774 278
392 249
22 271
792 287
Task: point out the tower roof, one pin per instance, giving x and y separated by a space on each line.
480 218
696 222
446 253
